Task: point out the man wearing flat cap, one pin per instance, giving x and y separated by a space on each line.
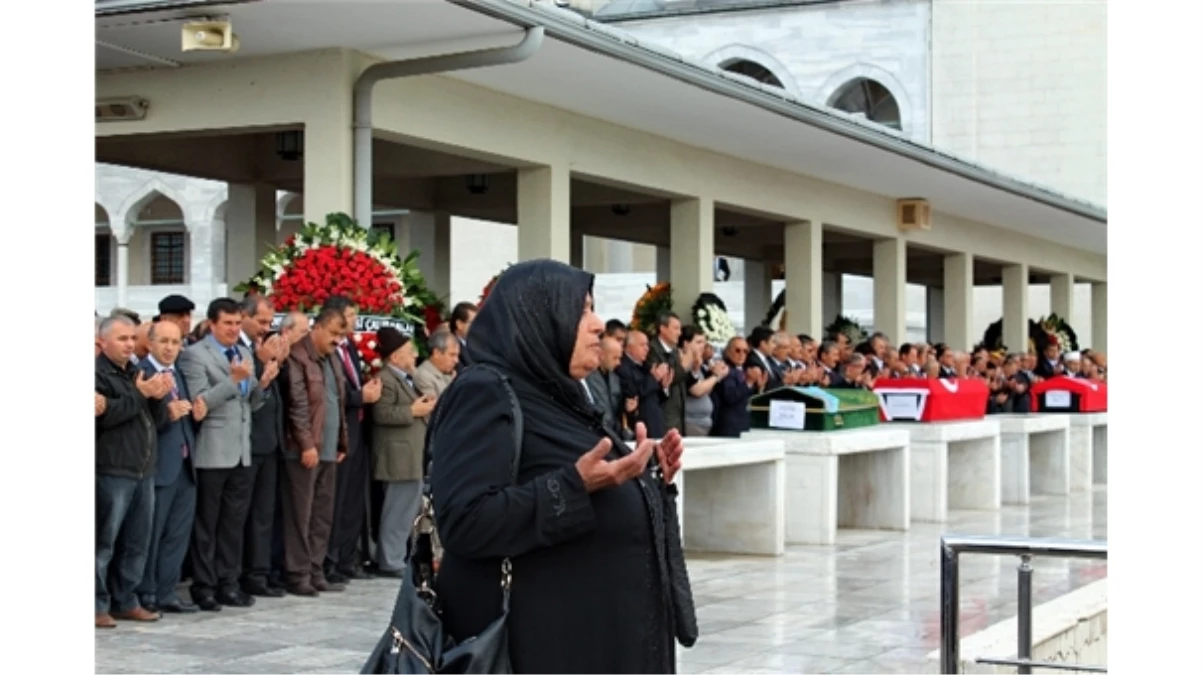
178 310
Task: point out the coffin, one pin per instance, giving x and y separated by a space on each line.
813 409
1069 395
931 400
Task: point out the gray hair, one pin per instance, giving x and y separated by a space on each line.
106 326
127 313
289 322
440 340
250 304
856 359
633 337
781 339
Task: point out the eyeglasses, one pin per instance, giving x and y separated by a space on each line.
739 350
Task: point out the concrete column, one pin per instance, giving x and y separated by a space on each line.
328 169
122 266
544 213
833 298
250 229
936 325
804 277
1098 317
596 255
691 250
758 292
430 234
889 289
1061 296
576 250
664 264
958 301
1015 307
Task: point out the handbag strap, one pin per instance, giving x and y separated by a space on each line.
518 432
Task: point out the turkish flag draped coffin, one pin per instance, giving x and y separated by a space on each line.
1069 394
931 400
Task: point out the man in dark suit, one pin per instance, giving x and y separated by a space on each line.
731 395
760 356
461 320
664 349
267 432
175 479
643 384
829 361
605 386
351 493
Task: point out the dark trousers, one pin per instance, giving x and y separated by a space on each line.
308 519
223 497
175 509
257 547
125 518
350 508
276 578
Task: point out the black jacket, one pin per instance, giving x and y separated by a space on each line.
126 436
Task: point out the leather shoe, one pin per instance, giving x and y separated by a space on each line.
137 614
327 586
262 590
105 620
355 574
235 598
179 607
335 577
303 590
207 603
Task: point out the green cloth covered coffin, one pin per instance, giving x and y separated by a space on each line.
813 409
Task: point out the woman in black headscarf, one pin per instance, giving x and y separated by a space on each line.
585 523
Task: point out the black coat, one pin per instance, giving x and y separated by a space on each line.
731 395
637 382
591 581
127 432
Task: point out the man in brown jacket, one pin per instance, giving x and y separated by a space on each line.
398 440
315 441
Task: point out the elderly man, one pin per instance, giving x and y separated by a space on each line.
126 443
605 387
178 310
437 372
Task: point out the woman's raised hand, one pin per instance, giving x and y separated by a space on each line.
599 473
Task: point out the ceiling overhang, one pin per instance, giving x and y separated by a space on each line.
628 83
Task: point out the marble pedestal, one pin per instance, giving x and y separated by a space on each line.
1087 450
856 478
1035 456
732 496
954 465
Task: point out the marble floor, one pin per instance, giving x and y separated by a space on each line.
868 604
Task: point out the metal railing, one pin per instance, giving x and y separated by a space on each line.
952 546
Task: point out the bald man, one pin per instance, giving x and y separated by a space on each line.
141 342
605 387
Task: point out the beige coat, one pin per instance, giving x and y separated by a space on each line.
398 439
432 381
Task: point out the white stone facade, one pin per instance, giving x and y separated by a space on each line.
815 49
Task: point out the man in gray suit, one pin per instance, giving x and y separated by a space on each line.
220 376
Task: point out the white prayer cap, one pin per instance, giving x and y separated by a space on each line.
1073 356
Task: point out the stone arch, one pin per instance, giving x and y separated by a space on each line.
742 52
283 203
105 259
153 189
858 71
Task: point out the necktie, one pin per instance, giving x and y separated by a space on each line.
243 386
175 396
348 365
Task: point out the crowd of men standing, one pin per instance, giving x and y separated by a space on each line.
254 462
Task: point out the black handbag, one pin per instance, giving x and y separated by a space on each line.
416 641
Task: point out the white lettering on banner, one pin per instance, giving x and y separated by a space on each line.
787 415
365 323
902 406
1058 399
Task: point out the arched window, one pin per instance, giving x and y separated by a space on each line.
753 70
869 98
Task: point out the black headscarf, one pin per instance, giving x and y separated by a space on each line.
528 328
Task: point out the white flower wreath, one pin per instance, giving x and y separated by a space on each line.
715 324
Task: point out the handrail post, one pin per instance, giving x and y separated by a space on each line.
1025 612
950 609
